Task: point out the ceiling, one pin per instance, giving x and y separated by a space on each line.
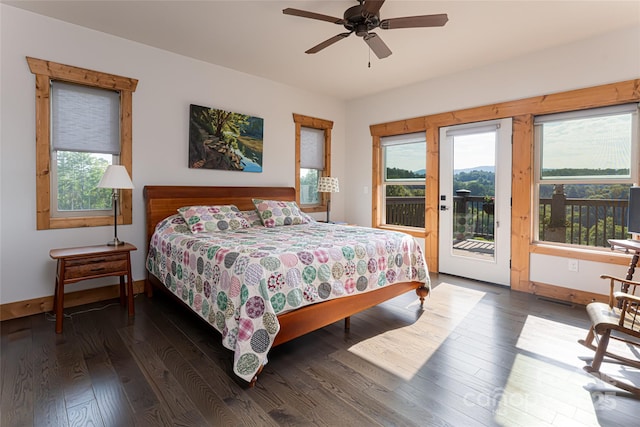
255 37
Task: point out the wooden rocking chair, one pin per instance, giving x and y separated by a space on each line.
620 321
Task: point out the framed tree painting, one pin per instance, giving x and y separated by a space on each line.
224 140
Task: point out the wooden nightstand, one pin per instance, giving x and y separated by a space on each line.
91 262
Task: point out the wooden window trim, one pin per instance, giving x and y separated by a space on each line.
522 111
377 185
45 71
315 123
594 254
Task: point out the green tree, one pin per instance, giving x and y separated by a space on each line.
396 173
309 186
405 190
78 177
480 183
605 229
224 125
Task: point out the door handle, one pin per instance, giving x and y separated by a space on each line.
444 208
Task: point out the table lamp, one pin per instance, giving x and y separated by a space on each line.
327 184
116 178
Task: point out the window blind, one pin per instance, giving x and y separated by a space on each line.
583 114
84 119
311 148
473 128
407 138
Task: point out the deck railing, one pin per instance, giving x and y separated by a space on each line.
408 211
473 218
588 222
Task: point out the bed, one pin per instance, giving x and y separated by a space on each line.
241 294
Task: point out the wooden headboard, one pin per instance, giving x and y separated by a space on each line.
162 201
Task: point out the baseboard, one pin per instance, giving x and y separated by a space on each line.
17 309
565 294
45 304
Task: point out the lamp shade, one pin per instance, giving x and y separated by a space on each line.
116 176
327 184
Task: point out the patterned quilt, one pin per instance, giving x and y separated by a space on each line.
240 280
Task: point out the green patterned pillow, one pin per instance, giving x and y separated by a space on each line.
274 213
202 219
252 218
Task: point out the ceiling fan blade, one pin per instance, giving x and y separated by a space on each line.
317 48
415 21
377 45
313 15
372 7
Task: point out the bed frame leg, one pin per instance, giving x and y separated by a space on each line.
347 323
148 287
422 292
253 381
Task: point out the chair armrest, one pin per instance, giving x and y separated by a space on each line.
619 279
621 296
612 282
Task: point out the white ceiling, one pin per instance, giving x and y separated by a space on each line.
255 37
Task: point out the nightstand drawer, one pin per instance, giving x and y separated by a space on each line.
95 266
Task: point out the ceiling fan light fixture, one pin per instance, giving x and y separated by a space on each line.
364 18
362 30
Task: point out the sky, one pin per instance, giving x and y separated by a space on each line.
410 157
474 150
470 151
600 142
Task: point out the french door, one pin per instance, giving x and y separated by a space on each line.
475 201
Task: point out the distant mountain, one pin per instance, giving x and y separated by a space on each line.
475 168
421 172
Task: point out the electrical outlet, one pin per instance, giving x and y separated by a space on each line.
572 264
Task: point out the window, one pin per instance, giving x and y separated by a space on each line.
312 164
85 139
403 179
83 124
586 161
313 160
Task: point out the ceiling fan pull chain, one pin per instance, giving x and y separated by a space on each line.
369 57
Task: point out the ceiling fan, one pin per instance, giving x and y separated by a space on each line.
362 19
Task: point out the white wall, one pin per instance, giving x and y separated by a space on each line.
605 59
168 83
555 270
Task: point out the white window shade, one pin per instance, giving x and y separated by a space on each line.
85 119
584 114
474 128
311 148
593 144
407 138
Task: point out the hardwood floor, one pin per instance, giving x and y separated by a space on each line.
477 355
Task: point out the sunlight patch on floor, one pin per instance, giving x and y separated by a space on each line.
537 388
546 366
404 351
552 339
